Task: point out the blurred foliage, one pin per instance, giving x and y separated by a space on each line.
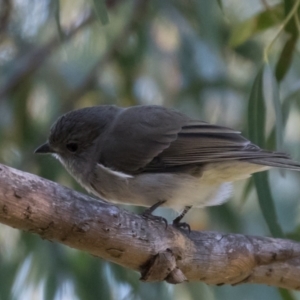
198 56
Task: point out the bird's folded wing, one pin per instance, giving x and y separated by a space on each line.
137 135
156 139
205 143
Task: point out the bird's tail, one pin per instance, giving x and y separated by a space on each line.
276 160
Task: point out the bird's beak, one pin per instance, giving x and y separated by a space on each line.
43 149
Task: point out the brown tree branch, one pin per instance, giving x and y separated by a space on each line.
56 213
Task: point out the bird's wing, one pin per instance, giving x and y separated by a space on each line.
137 135
157 139
199 143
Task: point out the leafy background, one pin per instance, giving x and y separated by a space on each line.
231 62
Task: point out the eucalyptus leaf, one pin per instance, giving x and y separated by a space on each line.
220 3
257 111
247 189
286 294
271 90
101 11
266 204
291 26
256 125
285 59
57 18
256 24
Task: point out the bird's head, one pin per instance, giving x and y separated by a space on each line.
73 136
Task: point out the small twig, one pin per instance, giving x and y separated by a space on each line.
281 28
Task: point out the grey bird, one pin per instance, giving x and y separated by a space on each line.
154 156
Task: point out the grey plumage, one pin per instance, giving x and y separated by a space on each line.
145 154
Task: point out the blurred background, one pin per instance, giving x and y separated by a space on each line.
201 57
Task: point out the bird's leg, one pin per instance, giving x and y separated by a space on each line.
152 208
148 212
178 224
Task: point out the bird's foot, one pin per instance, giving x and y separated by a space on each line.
148 213
155 218
183 225
178 224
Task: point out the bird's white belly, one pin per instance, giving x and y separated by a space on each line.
146 189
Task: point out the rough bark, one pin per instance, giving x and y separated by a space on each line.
56 213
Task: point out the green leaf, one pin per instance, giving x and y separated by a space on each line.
285 59
242 32
286 294
220 3
266 203
291 26
271 90
101 11
256 24
289 101
247 189
295 234
257 111
57 18
256 125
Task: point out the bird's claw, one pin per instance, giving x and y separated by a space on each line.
149 216
183 225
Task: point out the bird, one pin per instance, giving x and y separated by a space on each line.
153 156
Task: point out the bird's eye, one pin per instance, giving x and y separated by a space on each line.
72 147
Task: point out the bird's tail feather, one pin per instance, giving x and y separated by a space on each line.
276 160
